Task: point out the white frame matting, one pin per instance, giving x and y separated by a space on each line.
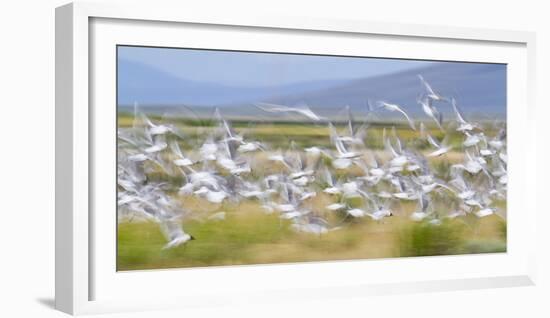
87 282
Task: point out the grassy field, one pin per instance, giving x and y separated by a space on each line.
278 134
250 236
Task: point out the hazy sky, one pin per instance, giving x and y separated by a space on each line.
164 76
260 69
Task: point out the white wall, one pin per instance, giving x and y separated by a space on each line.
27 157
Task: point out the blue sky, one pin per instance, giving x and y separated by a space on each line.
260 69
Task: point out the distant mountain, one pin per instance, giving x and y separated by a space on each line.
146 85
478 88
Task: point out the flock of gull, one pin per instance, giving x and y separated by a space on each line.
155 176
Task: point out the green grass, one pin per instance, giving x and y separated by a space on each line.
424 239
216 242
248 236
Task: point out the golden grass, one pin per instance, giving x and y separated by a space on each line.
250 236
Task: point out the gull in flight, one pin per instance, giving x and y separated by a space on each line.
396 108
180 160
432 112
335 206
441 148
302 110
208 150
463 125
210 195
356 212
485 212
312 224
343 153
421 214
158 145
473 165
379 214
331 188
398 158
154 129
430 93
230 135
249 147
427 188
472 140
279 157
404 190
344 158
355 135
499 141
175 234
466 191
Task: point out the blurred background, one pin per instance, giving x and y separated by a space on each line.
183 87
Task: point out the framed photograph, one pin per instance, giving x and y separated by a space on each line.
271 159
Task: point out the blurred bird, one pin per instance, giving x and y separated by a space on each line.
397 108
302 110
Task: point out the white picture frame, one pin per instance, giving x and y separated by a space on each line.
81 260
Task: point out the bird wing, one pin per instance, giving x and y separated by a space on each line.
458 113
397 140
422 130
394 107
146 120
126 137
426 85
227 128
387 144
175 147
139 116
350 121
411 122
272 108
336 140
328 177
303 109
432 141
